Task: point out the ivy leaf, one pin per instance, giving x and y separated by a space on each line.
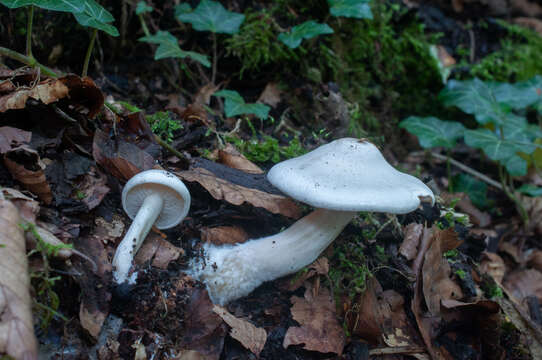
530 190
358 9
235 105
497 148
96 16
433 132
212 16
521 94
515 165
73 6
182 8
306 30
142 8
474 97
169 48
475 189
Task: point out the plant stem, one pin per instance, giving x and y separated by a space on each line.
519 206
169 148
30 61
89 52
449 170
144 25
213 76
29 24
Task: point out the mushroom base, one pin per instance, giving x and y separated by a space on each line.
233 271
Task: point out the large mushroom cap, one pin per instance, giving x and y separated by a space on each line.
349 175
174 193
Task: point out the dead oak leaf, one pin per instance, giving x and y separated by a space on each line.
320 330
221 189
250 336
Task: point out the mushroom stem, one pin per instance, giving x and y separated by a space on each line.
142 224
231 272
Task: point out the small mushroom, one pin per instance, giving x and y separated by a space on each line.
152 197
339 179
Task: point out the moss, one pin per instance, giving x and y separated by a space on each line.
517 60
256 43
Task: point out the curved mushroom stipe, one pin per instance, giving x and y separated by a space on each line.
339 179
152 197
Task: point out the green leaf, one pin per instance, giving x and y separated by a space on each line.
212 16
521 94
530 190
143 8
169 48
515 165
96 16
494 147
235 105
475 189
358 9
73 6
182 8
474 97
433 132
307 30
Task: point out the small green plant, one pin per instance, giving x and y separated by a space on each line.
268 149
451 254
461 274
163 125
351 272
503 132
87 13
236 105
47 301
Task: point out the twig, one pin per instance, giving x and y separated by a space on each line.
397 350
468 170
169 148
30 61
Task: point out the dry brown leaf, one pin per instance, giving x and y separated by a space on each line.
270 95
17 338
25 165
533 206
91 320
530 23
203 96
231 157
109 231
493 265
48 91
319 267
221 189
320 330
122 159
250 336
224 235
93 188
11 137
477 217
535 260
523 283
160 251
444 57
28 207
436 271
366 318
409 246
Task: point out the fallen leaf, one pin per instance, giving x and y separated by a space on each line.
91 320
270 95
28 207
231 157
11 137
47 91
92 188
204 93
25 165
109 231
479 218
17 339
221 189
366 317
122 159
319 331
409 246
523 283
224 235
535 260
436 271
157 250
493 265
319 267
250 336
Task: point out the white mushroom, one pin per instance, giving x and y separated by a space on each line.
339 179
152 197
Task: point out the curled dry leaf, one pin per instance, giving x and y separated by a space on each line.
523 283
320 330
231 157
122 159
11 137
436 272
493 265
409 246
250 336
270 95
17 338
47 91
221 235
25 165
221 189
157 250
